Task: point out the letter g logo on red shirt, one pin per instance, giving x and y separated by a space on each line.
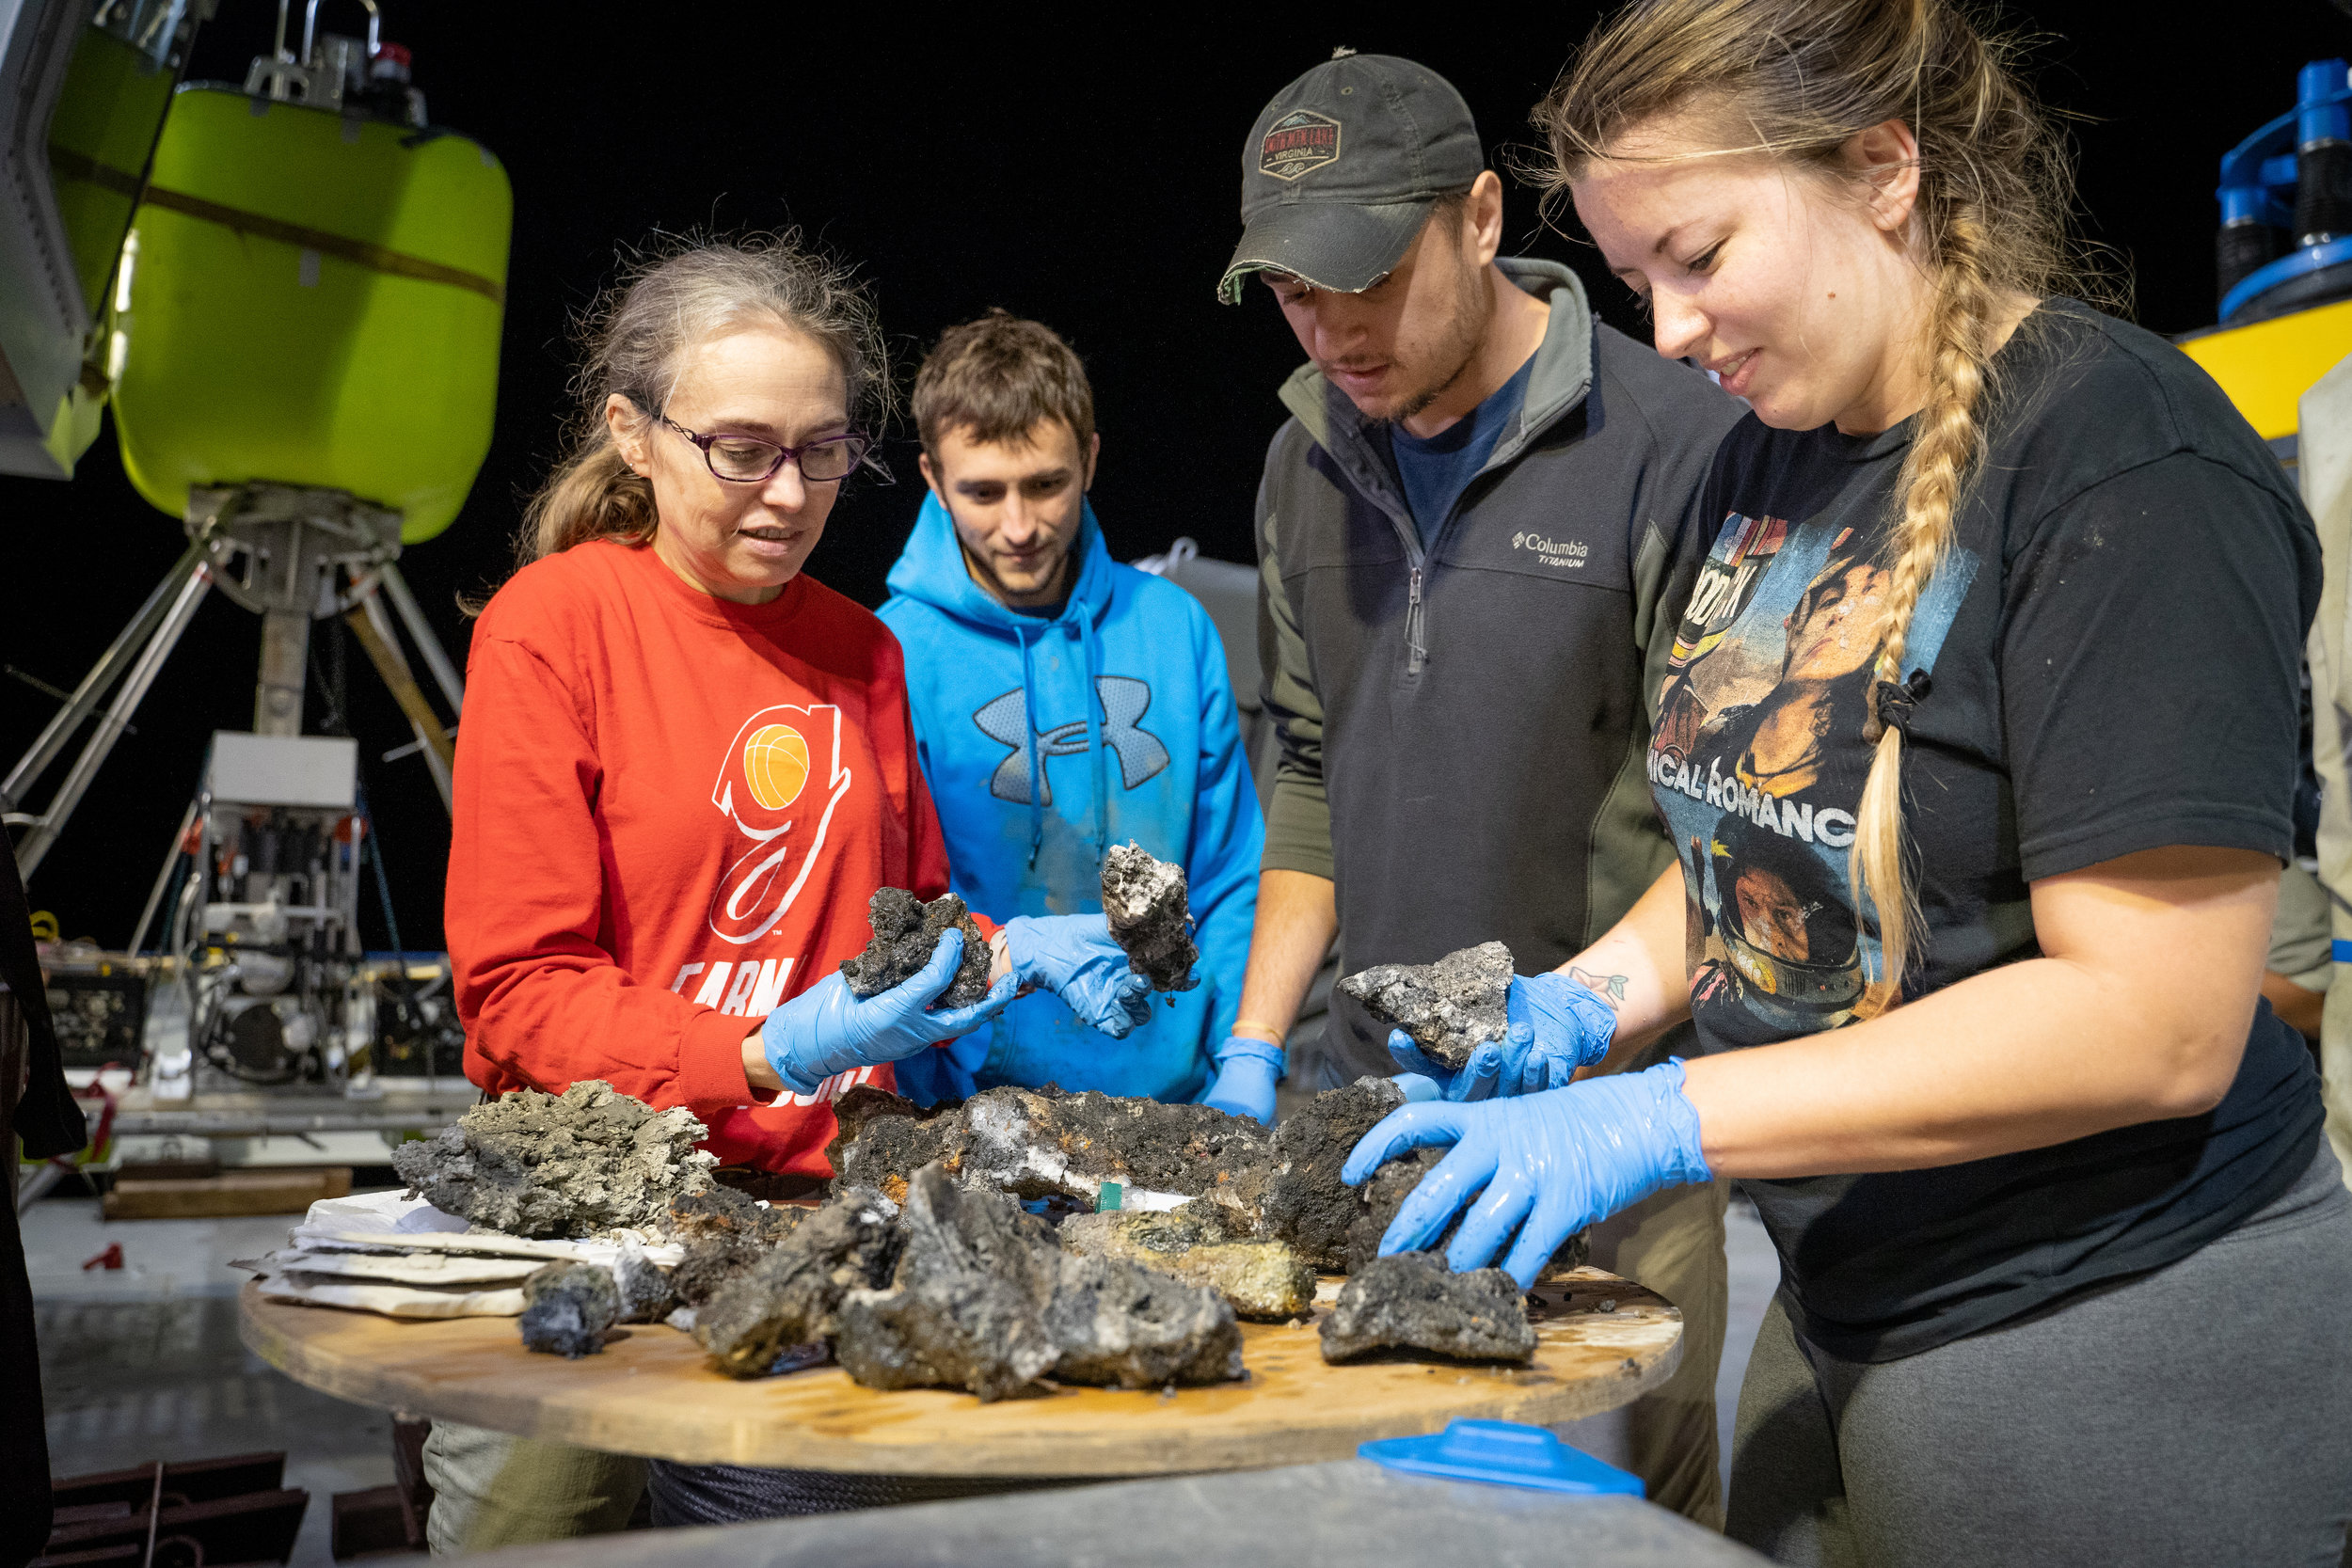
779 784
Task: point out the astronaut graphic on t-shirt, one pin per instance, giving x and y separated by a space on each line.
1759 761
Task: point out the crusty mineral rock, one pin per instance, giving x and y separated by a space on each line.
1035 1142
580 1163
906 934
1119 1323
1413 1301
719 1210
568 1307
966 1304
645 1293
1450 1008
710 1263
1382 1196
1144 900
1266 1281
786 1299
1304 1202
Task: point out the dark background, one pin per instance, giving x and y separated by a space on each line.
1055 168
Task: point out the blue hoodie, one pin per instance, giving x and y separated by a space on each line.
1155 756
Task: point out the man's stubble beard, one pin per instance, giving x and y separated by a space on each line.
1466 333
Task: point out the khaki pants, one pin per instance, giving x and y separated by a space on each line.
492 1490
1672 1243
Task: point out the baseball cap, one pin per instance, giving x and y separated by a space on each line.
1342 167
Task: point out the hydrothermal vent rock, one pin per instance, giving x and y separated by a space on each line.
720 1211
906 934
1118 1323
1266 1281
645 1293
710 1263
966 1304
1413 1301
787 1298
1144 900
1035 1142
1304 1202
1450 1008
568 1307
585 1162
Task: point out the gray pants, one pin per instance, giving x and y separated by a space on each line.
2196 1414
1673 1242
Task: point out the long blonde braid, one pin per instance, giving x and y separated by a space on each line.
1944 451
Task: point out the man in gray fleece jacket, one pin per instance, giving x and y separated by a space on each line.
1476 532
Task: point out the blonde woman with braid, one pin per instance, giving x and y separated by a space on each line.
2065 1269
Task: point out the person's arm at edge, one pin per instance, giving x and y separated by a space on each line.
2137 1010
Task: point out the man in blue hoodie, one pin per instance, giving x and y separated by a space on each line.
1062 703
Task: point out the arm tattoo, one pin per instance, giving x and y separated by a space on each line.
1610 987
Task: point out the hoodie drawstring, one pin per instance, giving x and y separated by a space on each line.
1028 736
1094 727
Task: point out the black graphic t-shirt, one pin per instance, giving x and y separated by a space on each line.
2106 663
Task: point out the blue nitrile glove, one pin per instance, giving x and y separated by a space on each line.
1550 1163
828 1028
1073 956
1557 1026
1246 1071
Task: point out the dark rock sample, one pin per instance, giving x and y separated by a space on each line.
1042 1143
787 1298
722 1211
1144 900
710 1262
966 1304
1119 1324
881 1140
1304 1202
1450 1008
1413 1301
1384 1194
644 1291
580 1163
567 1308
906 934
1264 1280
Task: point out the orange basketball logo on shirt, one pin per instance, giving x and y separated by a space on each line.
775 766
779 823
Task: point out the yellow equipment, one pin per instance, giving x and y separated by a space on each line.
311 298
2267 367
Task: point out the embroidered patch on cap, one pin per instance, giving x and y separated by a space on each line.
1299 143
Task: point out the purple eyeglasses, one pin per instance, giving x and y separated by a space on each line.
749 460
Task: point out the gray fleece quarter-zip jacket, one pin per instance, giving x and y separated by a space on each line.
1462 728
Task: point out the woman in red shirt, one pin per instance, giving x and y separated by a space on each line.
686 766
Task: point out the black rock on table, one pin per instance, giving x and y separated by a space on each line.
1412 1301
567 1309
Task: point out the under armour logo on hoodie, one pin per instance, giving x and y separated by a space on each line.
1006 720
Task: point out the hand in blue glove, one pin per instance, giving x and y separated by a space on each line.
1247 1069
1557 1026
1073 956
828 1028
1550 1163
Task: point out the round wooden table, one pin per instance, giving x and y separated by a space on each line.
651 1393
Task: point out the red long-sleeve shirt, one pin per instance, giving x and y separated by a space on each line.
671 811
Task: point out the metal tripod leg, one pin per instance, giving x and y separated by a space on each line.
103 676
421 633
148 661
